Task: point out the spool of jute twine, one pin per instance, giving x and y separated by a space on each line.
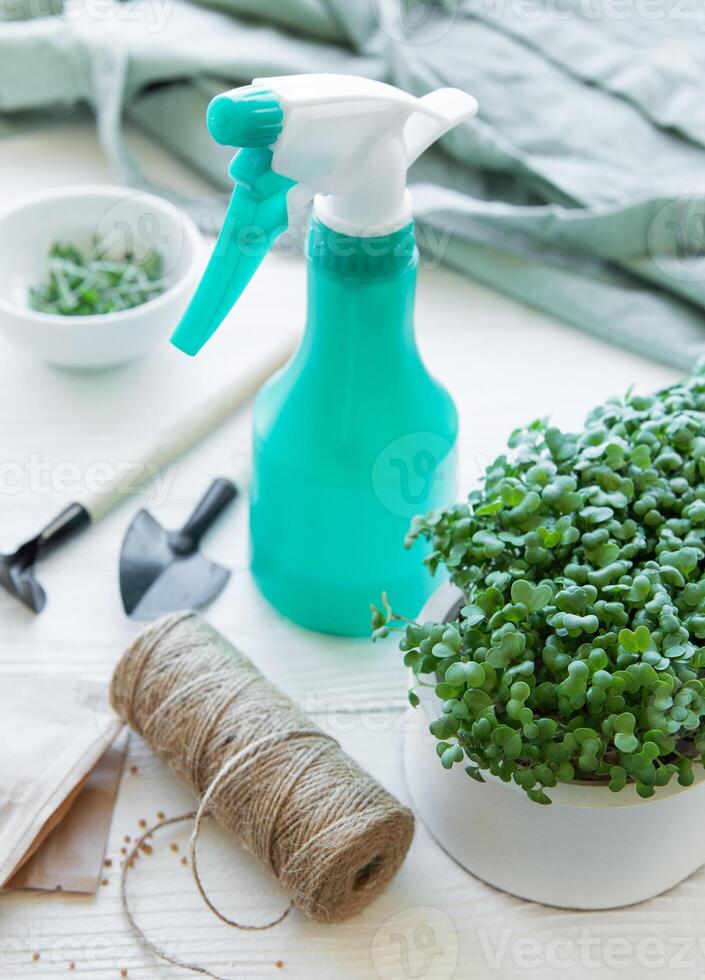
332 836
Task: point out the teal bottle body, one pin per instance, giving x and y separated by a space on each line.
351 440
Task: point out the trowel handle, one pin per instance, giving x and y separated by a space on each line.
190 430
214 501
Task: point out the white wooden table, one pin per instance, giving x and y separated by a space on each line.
504 364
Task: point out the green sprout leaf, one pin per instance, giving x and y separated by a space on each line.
534 597
579 649
86 283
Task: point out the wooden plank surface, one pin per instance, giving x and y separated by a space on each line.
504 365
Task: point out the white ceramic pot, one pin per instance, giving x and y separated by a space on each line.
590 849
127 220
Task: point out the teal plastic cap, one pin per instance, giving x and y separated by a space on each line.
250 116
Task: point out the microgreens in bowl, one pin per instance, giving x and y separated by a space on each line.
88 283
578 651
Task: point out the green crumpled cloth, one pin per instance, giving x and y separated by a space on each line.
578 189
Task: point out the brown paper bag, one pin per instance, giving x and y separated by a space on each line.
53 731
69 856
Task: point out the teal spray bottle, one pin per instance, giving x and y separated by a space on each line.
353 437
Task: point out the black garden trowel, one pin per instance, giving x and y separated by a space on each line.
162 571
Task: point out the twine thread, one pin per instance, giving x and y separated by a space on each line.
331 835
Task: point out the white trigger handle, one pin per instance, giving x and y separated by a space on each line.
436 114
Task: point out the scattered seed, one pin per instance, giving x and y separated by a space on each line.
104 881
143 823
134 770
183 860
279 965
161 815
147 848
127 838
72 966
123 973
35 957
174 847
108 863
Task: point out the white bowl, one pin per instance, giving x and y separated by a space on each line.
590 849
127 220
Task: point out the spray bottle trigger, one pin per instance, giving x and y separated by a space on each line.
252 168
436 114
255 217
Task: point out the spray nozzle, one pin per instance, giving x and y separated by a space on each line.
343 140
250 116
